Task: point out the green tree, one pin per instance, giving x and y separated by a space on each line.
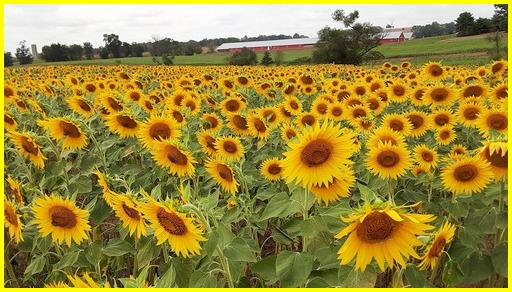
23 54
483 25
113 44
88 51
137 50
500 17
349 45
126 50
55 53
244 57
278 57
465 24
75 52
267 59
8 59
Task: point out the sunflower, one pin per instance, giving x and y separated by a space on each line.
10 123
435 249
133 95
468 113
271 169
212 122
496 153
271 115
89 282
232 105
223 174
383 232
28 147
425 156
434 70
286 116
474 89
229 148
375 104
397 122
419 121
388 160
467 175
398 91
207 142
107 194
168 155
418 96
458 149
126 209
316 157
80 106
178 117
257 126
439 95
419 169
61 218
319 107
289 90
288 131
111 103
445 135
192 104
293 105
335 111
158 128
498 68
305 120
499 93
14 190
12 221
492 119
338 188
385 135
172 226
358 111
124 125
442 117
64 129
238 124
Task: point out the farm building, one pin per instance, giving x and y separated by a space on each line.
409 35
391 37
275 45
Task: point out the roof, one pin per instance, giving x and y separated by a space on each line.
408 35
274 43
390 35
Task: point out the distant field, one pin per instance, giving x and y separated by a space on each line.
450 50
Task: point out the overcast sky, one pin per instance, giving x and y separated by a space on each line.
76 24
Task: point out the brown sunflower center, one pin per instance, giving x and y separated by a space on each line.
274 169
160 131
114 104
306 80
388 158
373 103
171 222
357 113
441 119
148 105
497 159
418 94
502 93
212 123
322 108
10 216
316 152
294 105
473 90
230 147
290 133
396 125
224 172
308 120
90 87
260 126
496 68
8 120
270 116
210 142
376 227
436 70
445 135
177 116
132 213
240 122
232 105
416 120
336 111
243 80
360 90
29 146
439 94
437 247
126 122
69 129
427 156
374 87
471 113
465 173
63 217
228 84
175 156
354 102
8 92
398 90
84 105
289 90
497 121
177 99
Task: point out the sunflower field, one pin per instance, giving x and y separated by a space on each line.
300 176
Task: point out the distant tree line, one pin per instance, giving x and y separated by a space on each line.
467 25
433 29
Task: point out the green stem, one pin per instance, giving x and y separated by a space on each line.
435 270
10 269
391 192
135 265
396 280
305 217
100 150
165 253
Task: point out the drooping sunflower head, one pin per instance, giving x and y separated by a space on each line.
317 155
80 105
271 169
434 250
223 174
14 190
13 221
383 232
125 125
338 188
419 121
158 128
177 161
467 175
496 153
207 141
125 208
65 130
388 160
60 218
10 123
27 145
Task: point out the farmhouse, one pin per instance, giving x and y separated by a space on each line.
391 37
275 45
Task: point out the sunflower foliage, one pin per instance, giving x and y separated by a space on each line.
303 176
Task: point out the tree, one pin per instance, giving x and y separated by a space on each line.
75 52
113 44
465 24
244 57
23 54
137 50
500 17
483 25
267 59
349 45
126 50
278 57
88 51
55 53
8 59
161 46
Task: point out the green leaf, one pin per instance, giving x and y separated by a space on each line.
327 257
415 277
210 245
312 226
200 279
324 278
208 203
277 207
147 250
67 260
117 247
280 236
266 269
499 258
82 184
168 278
452 273
100 212
456 209
56 168
92 252
351 278
36 266
225 235
239 250
293 268
366 193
